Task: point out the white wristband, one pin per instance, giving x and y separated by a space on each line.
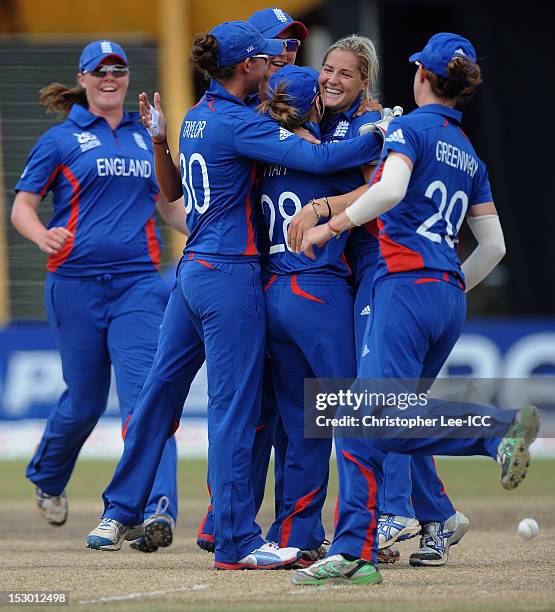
154 128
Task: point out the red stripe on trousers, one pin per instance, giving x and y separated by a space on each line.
251 246
371 506
125 426
287 524
298 291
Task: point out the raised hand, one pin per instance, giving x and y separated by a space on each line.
152 117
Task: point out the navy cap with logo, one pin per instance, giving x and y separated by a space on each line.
271 22
441 49
238 40
301 85
97 51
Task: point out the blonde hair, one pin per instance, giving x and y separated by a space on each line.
365 51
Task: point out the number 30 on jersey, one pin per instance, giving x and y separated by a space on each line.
187 182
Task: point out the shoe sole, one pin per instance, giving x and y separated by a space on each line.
388 555
454 539
247 566
518 463
44 515
206 545
405 534
159 534
304 581
96 544
141 545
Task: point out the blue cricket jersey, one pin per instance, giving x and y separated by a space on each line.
220 137
344 126
448 177
104 191
283 192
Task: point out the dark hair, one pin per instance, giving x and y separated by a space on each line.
58 98
462 80
204 56
278 106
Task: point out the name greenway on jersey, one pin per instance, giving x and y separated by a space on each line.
456 158
120 166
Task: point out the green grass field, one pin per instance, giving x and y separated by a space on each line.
492 569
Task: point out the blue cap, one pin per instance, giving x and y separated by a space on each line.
98 51
272 22
301 85
238 40
441 49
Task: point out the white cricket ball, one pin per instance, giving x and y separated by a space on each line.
528 528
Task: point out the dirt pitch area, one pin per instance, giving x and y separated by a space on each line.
491 569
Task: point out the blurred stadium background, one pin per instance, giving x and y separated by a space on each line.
511 327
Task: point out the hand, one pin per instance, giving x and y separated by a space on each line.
300 223
368 106
152 117
317 236
380 127
53 240
304 133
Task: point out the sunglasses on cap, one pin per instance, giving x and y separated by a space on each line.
116 70
292 44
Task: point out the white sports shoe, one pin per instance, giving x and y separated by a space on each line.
393 528
436 540
268 556
109 535
54 508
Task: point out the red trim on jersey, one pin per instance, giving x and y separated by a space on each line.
371 227
421 281
378 174
251 246
152 242
54 174
462 132
398 258
298 291
191 256
210 103
445 123
344 260
261 427
125 426
371 506
205 263
287 524
270 282
56 260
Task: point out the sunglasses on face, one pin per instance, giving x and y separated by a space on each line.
101 71
260 56
292 44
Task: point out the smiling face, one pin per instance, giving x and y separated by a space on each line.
286 57
340 80
105 94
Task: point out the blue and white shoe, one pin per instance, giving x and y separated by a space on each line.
268 556
54 508
393 528
436 540
158 529
110 534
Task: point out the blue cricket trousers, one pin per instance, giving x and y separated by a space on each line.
416 322
99 322
216 311
411 486
310 334
269 432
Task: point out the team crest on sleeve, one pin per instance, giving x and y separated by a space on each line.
86 140
140 141
396 136
283 133
341 129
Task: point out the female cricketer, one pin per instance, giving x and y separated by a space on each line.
429 178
